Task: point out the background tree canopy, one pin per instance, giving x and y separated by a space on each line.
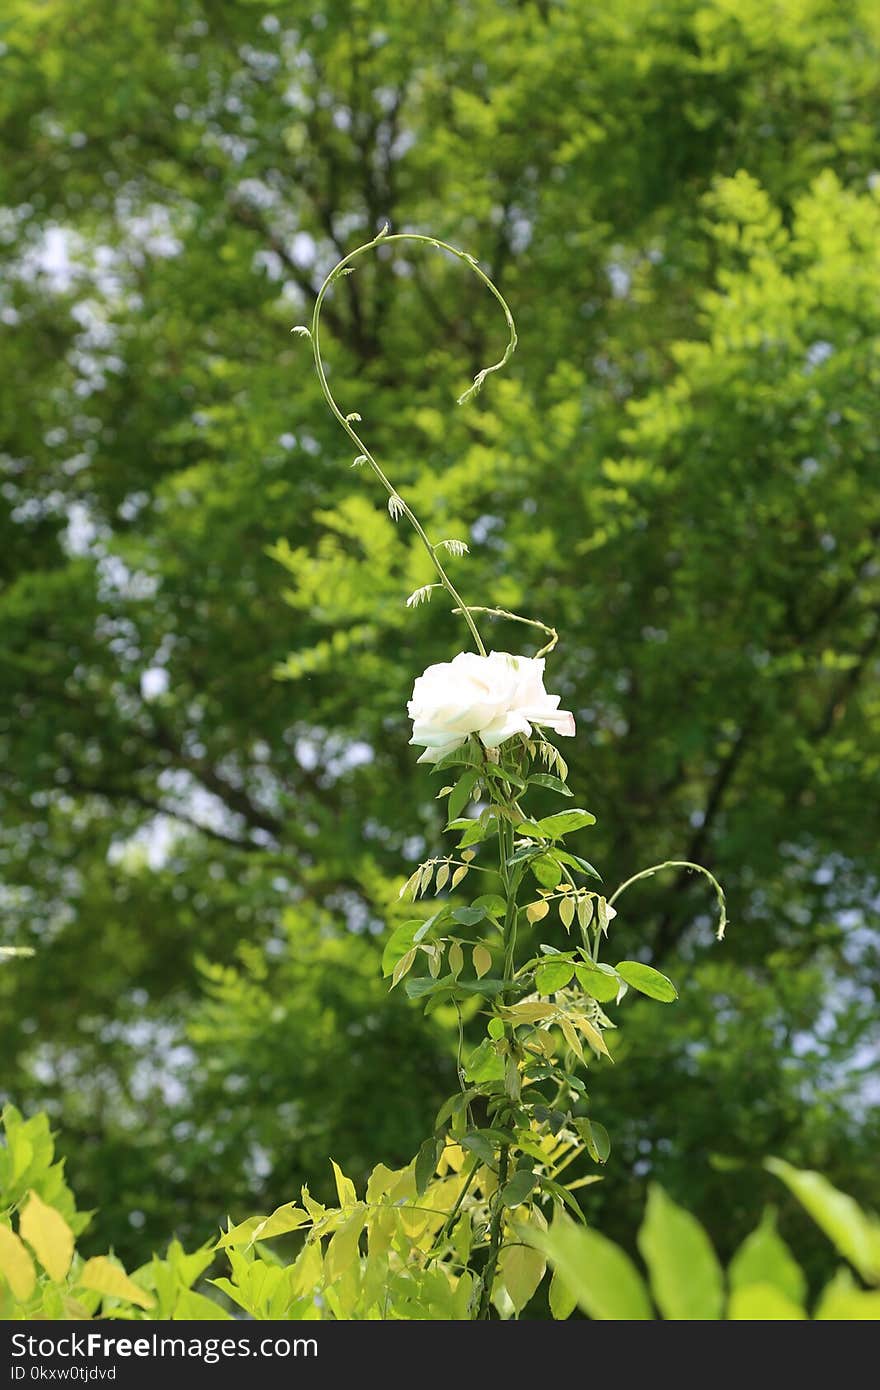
678 470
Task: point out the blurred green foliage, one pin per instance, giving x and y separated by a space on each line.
678 470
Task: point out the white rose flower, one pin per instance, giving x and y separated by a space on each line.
494 696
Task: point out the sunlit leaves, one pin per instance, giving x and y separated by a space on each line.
853 1232
105 1276
686 1278
564 823
602 1278
48 1235
647 980
16 1265
553 975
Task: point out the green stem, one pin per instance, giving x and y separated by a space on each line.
346 421
447 1225
680 864
494 1235
505 844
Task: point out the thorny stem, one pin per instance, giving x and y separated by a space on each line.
402 507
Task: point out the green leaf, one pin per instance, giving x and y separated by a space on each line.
518 1188
553 975
647 980
600 983
525 853
468 916
561 1299
574 861
562 1193
546 871
602 1278
554 784
461 792
463 755
477 831
404 937
504 774
842 1300
479 1145
492 904
762 1303
106 1277
521 1269
764 1258
854 1233
564 822
596 1138
686 1278
484 1064
426 1163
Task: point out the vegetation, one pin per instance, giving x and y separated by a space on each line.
386 1254
206 789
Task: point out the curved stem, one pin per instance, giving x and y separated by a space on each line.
680 864
400 506
518 618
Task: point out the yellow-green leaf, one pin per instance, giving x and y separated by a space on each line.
530 1011
592 1035
283 1219
855 1234
843 1301
343 1249
403 966
521 1270
762 1303
16 1264
345 1189
562 1300
455 958
764 1258
572 1038
686 1278
602 1277
535 911
482 960
566 912
48 1235
102 1276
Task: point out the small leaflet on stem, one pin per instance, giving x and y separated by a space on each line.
421 595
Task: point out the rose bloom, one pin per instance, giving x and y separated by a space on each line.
494 696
